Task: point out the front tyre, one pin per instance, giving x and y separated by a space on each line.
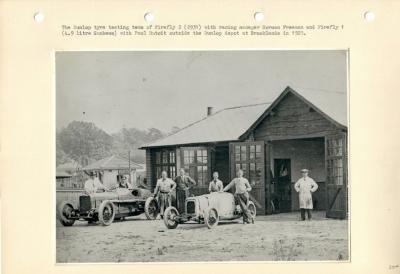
170 215
65 211
151 208
211 217
106 213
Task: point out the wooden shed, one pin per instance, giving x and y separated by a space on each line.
271 142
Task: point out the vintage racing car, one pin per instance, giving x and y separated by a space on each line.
107 206
208 208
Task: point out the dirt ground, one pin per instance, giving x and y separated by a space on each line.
272 238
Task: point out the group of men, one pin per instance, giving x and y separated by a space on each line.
93 184
165 186
305 186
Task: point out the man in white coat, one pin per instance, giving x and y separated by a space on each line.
305 186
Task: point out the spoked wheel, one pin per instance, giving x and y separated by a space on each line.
211 217
106 213
65 211
170 215
151 208
252 208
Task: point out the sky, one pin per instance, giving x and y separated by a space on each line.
163 89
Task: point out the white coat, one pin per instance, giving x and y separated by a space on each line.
305 186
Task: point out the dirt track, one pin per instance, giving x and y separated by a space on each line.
271 238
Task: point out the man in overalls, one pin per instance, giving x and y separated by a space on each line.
183 182
305 186
164 188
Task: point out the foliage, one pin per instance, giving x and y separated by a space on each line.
84 142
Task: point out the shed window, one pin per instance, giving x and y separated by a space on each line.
335 161
195 162
249 159
165 161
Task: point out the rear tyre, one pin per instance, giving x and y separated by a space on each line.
211 217
170 215
106 213
151 208
65 210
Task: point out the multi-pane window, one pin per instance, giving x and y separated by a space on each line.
248 159
165 160
240 153
195 162
335 161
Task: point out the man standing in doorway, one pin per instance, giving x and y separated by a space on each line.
164 188
242 187
305 186
183 183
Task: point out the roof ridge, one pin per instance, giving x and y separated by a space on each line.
107 161
208 116
243 106
320 89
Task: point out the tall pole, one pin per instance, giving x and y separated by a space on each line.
129 161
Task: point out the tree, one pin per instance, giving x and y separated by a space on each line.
83 140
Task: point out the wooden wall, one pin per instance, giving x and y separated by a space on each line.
221 163
292 117
150 175
71 195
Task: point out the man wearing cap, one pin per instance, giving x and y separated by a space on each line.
164 188
93 184
242 187
183 183
125 183
216 184
305 186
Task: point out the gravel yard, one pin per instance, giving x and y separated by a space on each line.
271 238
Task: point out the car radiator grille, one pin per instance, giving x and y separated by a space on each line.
190 207
84 204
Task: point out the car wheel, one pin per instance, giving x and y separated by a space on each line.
252 208
151 208
211 217
106 213
65 210
170 215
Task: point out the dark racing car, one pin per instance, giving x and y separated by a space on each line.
105 207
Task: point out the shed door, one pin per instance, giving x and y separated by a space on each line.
250 157
336 171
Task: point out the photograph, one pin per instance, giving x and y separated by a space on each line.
201 156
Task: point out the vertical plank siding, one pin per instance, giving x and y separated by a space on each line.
292 117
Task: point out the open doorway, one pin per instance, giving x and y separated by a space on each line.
283 195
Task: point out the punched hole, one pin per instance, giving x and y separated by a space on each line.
369 16
259 16
149 17
38 17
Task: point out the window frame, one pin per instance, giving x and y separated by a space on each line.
201 159
165 159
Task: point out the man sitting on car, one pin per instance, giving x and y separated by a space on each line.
125 183
215 185
164 188
93 184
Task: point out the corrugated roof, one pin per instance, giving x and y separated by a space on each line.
231 123
112 162
224 125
